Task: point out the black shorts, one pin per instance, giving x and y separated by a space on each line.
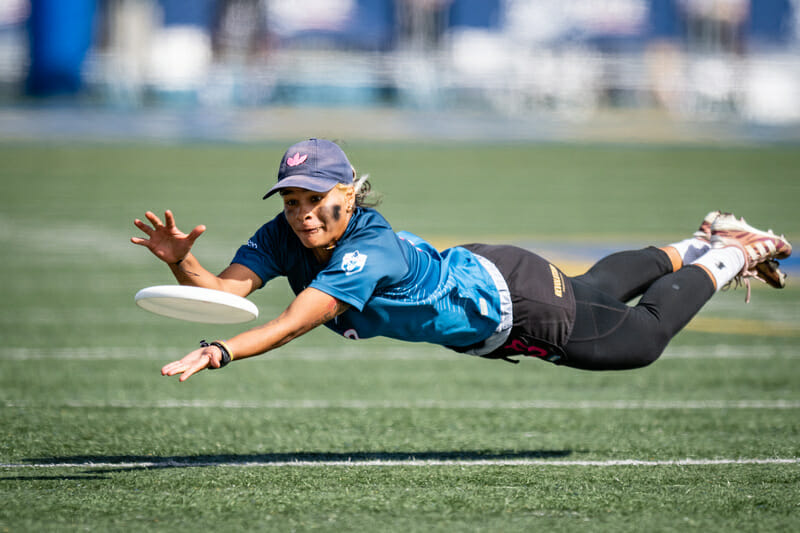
585 322
542 299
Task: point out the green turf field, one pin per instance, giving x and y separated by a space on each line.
333 435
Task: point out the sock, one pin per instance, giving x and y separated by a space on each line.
691 249
722 263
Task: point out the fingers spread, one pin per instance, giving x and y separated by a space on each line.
169 218
196 232
139 240
153 219
142 226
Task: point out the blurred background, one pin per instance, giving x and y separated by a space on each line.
254 69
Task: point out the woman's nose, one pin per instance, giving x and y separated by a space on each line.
304 212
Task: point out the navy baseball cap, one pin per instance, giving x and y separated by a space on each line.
316 164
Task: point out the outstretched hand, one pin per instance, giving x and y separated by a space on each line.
165 240
194 362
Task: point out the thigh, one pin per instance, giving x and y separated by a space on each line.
626 275
610 335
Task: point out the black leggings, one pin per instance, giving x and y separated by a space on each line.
610 335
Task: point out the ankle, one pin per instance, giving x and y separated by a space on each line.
674 257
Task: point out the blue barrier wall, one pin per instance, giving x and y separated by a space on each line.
60 34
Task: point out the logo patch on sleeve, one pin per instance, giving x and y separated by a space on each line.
353 262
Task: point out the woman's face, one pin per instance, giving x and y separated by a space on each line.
319 219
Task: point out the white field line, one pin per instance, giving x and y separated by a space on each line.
350 353
415 462
416 404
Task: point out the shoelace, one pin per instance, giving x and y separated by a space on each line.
743 278
740 280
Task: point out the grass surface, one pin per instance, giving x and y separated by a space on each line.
328 434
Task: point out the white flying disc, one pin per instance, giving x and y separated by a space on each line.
196 304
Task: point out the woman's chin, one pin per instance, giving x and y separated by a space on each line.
315 243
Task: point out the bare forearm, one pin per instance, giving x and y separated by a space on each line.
310 309
286 327
236 279
189 271
262 339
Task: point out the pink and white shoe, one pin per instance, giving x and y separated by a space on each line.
759 248
768 271
704 231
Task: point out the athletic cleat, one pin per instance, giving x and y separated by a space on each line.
759 247
769 271
704 231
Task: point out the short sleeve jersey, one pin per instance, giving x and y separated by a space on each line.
397 285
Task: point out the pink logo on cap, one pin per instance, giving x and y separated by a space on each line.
296 159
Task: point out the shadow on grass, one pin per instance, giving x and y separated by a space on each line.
87 476
120 463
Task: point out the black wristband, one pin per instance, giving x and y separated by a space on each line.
226 356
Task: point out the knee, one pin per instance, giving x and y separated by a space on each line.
643 358
647 353
630 359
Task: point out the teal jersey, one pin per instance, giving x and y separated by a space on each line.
397 285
